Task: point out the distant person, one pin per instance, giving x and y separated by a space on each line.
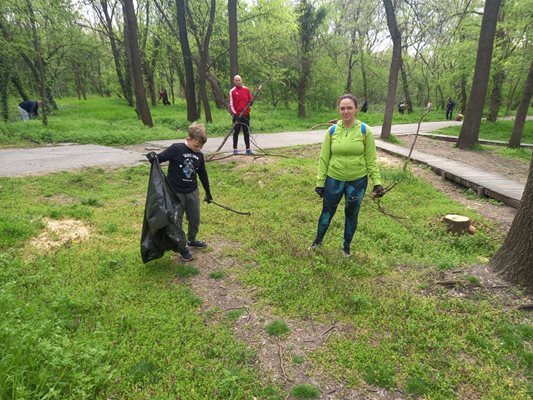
29 109
240 100
449 108
163 96
402 106
429 106
364 107
347 160
186 162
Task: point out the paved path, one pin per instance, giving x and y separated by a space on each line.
41 160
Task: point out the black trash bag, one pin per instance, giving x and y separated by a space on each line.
162 230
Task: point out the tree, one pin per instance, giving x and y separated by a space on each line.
521 113
40 63
134 59
514 260
106 20
470 129
233 40
190 93
202 36
394 68
309 21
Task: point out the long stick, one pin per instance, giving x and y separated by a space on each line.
230 209
414 141
237 120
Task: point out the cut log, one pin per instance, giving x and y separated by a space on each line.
457 224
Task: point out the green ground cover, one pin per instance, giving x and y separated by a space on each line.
109 121
499 130
89 320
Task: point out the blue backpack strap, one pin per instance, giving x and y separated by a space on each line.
332 129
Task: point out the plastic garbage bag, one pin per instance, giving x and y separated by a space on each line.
162 230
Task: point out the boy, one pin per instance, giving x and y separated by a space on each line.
185 162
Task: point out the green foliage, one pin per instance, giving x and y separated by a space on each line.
305 391
277 328
499 130
137 329
217 275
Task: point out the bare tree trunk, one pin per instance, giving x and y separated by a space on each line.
126 88
394 68
474 110
217 93
135 63
496 96
40 63
233 40
363 74
464 99
4 83
190 92
406 91
203 47
15 79
512 91
521 113
514 260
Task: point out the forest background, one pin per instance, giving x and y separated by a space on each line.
310 52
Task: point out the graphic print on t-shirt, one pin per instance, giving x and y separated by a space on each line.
188 168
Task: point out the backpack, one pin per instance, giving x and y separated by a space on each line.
363 131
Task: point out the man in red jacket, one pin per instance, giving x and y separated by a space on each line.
240 100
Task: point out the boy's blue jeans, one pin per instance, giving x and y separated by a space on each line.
353 192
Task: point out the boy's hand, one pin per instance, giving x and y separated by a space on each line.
151 156
208 198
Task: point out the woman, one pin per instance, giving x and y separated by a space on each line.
347 159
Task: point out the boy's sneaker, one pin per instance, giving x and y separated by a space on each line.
249 152
235 151
314 245
186 255
197 243
346 252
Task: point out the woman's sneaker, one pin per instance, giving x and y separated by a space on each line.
186 255
235 151
346 252
198 243
249 152
314 245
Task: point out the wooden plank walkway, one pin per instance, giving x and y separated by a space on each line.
484 183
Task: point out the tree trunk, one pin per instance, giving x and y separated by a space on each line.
394 68
464 99
190 92
406 91
363 75
40 63
496 96
521 113
512 91
135 63
474 110
15 79
514 260
217 93
4 83
233 40
305 69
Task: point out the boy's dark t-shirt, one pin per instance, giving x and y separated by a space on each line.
184 164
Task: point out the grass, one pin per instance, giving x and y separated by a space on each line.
109 121
499 130
89 320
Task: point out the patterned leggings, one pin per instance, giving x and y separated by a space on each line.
353 193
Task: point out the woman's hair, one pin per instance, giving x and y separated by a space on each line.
197 132
347 96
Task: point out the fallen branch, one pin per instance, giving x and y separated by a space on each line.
280 353
229 208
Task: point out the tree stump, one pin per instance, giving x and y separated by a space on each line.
457 224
